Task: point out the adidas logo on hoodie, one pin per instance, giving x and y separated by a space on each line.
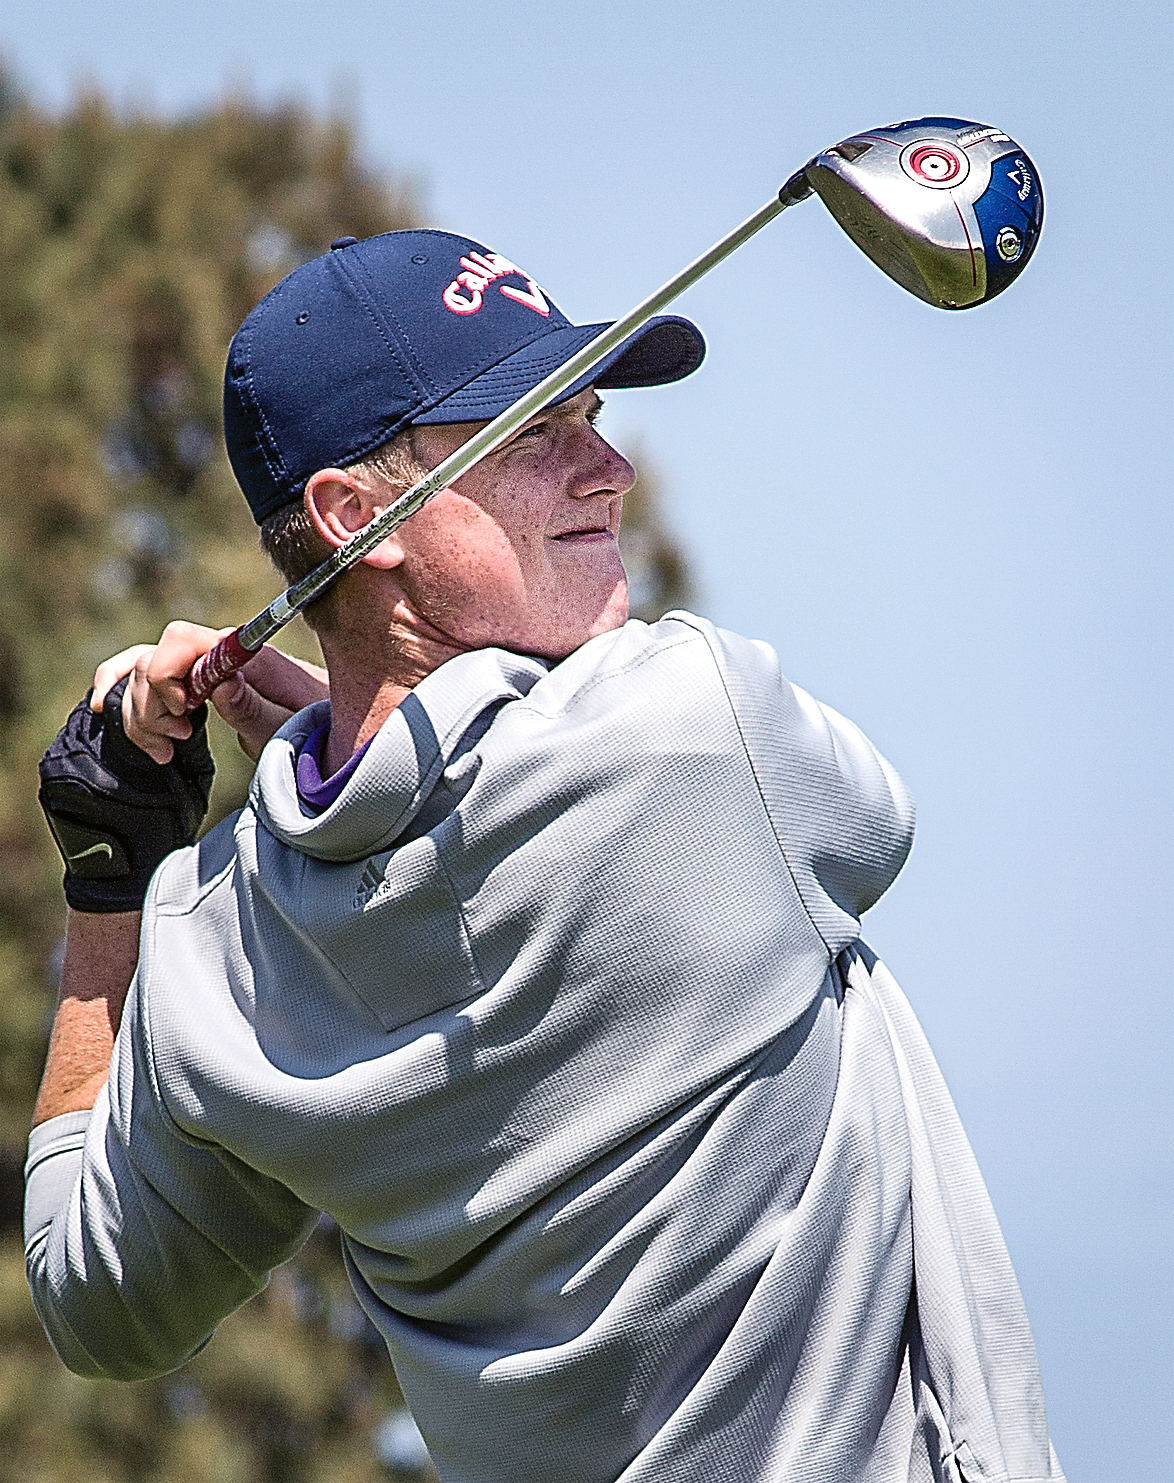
369 883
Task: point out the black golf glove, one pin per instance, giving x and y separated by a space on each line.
115 814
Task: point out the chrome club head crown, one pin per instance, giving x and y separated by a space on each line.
951 210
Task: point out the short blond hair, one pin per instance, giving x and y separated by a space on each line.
288 536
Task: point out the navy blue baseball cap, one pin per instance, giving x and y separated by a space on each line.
407 327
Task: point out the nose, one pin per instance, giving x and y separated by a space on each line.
602 468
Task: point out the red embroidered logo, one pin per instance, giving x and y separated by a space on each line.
480 270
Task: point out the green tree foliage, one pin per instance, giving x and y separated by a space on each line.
130 249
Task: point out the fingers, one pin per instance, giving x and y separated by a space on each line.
154 707
170 662
111 670
287 682
261 698
253 717
256 701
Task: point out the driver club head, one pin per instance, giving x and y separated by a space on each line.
951 210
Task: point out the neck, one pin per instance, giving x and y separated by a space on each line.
371 671
356 717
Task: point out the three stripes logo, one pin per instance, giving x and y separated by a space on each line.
369 884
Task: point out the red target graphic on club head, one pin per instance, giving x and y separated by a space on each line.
934 163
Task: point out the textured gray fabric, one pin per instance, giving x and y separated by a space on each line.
643 1167
55 1150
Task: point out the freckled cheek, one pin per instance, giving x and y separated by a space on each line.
490 557
522 541
459 533
498 573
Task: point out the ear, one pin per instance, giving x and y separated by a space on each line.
341 502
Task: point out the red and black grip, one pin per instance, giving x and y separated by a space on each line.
216 666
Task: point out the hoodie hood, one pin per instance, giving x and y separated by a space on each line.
400 768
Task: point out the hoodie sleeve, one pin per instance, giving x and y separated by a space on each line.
138 1240
842 816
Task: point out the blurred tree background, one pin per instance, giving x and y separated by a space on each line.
130 249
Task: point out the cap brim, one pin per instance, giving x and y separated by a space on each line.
665 349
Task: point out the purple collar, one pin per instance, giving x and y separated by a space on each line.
315 791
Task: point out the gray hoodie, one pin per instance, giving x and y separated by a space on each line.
643 1167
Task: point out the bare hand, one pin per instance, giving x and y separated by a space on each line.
256 701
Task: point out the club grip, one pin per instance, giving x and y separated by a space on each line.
215 666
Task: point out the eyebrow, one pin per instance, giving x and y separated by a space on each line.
563 409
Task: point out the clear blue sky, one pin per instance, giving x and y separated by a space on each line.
955 528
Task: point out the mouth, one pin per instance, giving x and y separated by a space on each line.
585 535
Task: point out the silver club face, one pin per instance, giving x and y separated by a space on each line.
951 210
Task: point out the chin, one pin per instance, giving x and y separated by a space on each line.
612 615
557 641
607 621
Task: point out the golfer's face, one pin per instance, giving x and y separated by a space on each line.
521 552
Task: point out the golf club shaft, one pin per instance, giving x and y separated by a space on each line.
237 648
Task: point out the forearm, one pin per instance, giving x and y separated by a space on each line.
101 952
138 1240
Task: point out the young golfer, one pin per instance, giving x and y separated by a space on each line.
534 959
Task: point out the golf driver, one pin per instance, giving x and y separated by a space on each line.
948 209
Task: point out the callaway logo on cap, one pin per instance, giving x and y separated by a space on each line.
421 327
465 294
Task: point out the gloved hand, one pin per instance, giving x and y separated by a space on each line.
114 813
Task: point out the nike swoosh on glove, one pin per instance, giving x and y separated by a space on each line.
115 814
